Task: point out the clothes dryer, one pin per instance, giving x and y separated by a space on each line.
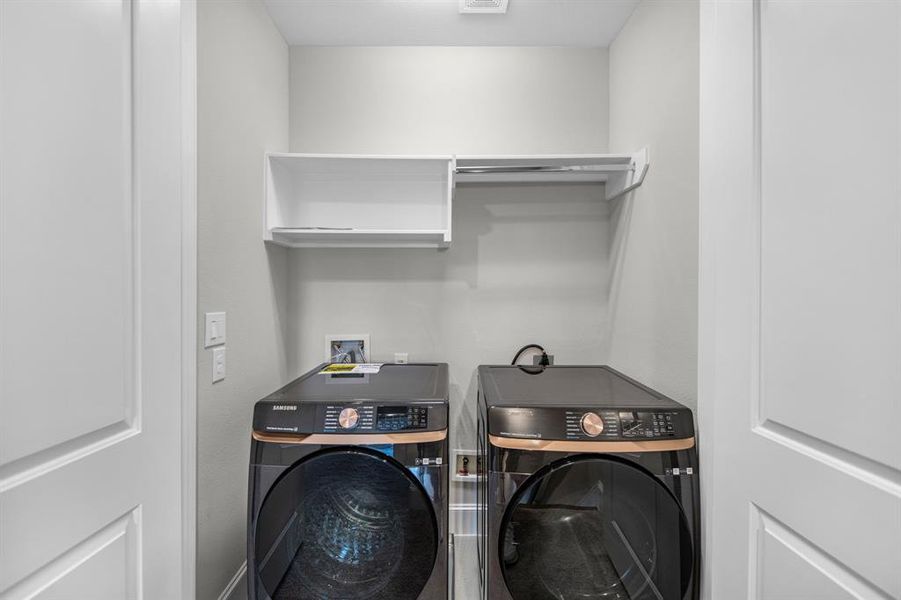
591 487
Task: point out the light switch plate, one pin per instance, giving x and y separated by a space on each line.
214 331
218 364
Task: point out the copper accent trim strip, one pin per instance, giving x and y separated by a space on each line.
598 446
351 439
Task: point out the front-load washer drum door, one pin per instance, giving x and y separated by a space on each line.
595 528
345 524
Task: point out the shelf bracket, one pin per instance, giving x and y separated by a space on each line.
624 182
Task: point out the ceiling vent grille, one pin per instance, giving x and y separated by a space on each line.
483 6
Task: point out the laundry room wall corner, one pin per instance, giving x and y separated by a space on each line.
654 102
242 100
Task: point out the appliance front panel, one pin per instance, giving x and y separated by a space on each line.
349 417
590 424
590 527
345 523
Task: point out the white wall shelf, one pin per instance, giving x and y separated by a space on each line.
324 200
332 200
361 238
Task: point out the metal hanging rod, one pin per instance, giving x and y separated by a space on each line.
476 170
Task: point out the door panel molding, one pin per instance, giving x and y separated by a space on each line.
43 517
126 528
864 469
764 525
23 470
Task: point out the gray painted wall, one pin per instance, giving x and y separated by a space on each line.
654 91
528 263
430 100
242 112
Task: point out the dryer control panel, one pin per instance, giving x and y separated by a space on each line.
638 424
616 424
590 424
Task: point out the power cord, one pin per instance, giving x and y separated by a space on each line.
544 361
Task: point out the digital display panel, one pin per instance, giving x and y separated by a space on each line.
395 418
646 424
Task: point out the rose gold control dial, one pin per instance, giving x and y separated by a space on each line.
592 424
348 418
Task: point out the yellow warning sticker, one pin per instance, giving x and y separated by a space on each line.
338 369
345 368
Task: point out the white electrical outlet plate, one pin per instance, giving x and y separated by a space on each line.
218 364
214 331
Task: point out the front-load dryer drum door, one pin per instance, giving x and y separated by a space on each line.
345 523
595 528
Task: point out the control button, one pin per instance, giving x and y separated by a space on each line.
348 418
592 425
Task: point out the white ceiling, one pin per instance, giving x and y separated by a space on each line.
439 23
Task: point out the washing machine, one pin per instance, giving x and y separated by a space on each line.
348 487
589 487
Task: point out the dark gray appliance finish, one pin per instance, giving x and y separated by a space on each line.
566 515
549 403
357 509
397 398
407 382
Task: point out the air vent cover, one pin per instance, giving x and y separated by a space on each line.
483 6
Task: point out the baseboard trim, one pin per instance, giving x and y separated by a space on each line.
237 582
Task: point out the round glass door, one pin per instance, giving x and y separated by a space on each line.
347 524
594 528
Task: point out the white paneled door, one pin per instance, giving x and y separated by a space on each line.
91 299
800 341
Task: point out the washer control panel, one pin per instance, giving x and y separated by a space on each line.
362 418
619 425
588 424
397 418
348 418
